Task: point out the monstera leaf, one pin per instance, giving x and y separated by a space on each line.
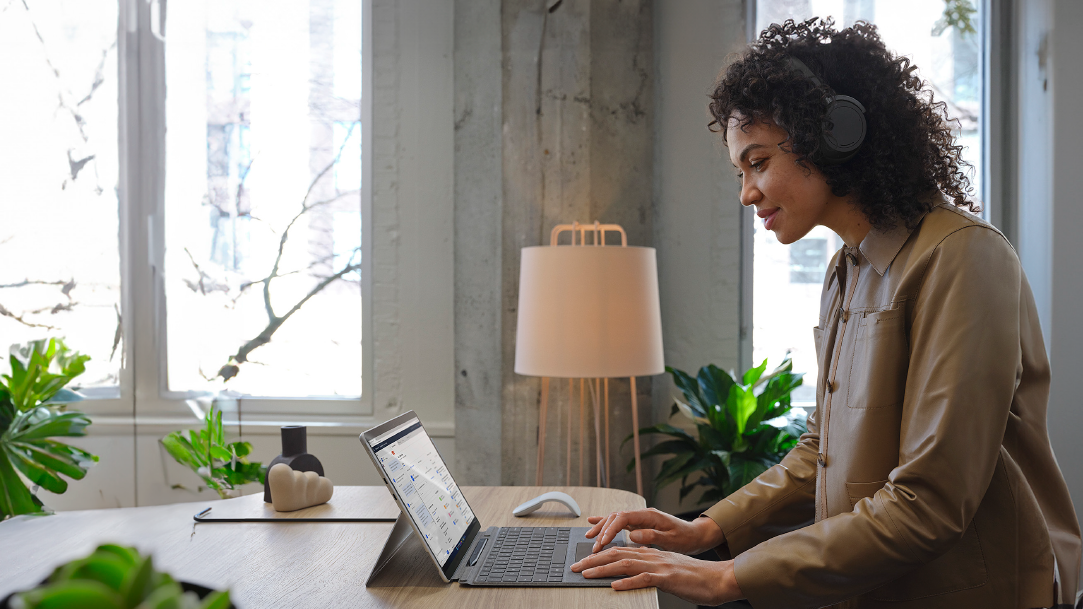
32 399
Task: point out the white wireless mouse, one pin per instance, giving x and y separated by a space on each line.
537 502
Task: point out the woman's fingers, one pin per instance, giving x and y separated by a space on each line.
609 556
616 523
599 524
643 580
651 524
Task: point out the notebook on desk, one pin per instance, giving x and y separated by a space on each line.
434 511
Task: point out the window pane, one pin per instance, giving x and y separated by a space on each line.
59 237
788 279
264 173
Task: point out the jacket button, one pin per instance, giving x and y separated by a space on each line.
832 386
821 459
852 258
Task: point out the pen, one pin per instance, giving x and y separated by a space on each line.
201 514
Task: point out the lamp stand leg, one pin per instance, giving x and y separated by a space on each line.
582 428
541 429
568 463
597 404
635 437
608 479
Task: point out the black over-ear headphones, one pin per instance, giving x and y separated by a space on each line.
843 122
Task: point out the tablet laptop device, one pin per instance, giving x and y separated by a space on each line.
461 548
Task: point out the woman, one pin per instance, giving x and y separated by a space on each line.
926 478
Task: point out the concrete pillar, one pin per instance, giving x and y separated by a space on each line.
577 145
478 242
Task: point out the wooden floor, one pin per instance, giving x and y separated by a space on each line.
296 564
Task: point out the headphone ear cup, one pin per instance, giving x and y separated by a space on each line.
843 129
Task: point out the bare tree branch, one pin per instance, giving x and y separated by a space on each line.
202 288
19 318
26 282
231 369
305 208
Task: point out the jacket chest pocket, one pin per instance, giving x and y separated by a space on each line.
877 376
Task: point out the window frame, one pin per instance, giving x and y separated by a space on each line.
142 396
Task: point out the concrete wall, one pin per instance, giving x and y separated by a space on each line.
577 134
696 207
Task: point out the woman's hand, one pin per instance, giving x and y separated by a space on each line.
699 581
652 527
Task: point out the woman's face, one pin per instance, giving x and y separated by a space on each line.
788 198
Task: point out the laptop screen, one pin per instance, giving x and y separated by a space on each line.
424 486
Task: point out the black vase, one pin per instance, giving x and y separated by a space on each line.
294 454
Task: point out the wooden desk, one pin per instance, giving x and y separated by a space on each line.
303 564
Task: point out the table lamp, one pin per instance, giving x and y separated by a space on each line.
589 312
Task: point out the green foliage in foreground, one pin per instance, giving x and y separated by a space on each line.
32 412
222 466
734 442
115 577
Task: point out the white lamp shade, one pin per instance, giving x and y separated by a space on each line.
588 312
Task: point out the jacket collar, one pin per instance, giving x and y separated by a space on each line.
881 247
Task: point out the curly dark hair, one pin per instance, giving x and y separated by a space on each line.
909 152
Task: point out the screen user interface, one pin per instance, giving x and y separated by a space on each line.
425 487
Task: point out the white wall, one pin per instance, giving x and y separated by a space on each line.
1066 268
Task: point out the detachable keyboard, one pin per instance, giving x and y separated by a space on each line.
526 555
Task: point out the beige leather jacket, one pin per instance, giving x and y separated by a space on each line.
926 478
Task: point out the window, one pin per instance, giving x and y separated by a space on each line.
263 198
787 280
223 236
59 238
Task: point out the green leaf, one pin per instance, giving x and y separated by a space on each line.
743 471
79 593
691 467
713 439
712 495
36 472
741 405
39 370
15 498
127 555
102 567
667 447
753 374
671 466
689 412
691 390
216 600
715 384
664 428
137 582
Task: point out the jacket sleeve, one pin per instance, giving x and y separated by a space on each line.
781 499
964 362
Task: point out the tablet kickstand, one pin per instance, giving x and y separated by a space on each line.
400 534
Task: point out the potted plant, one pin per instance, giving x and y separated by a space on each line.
33 404
223 467
742 429
116 576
